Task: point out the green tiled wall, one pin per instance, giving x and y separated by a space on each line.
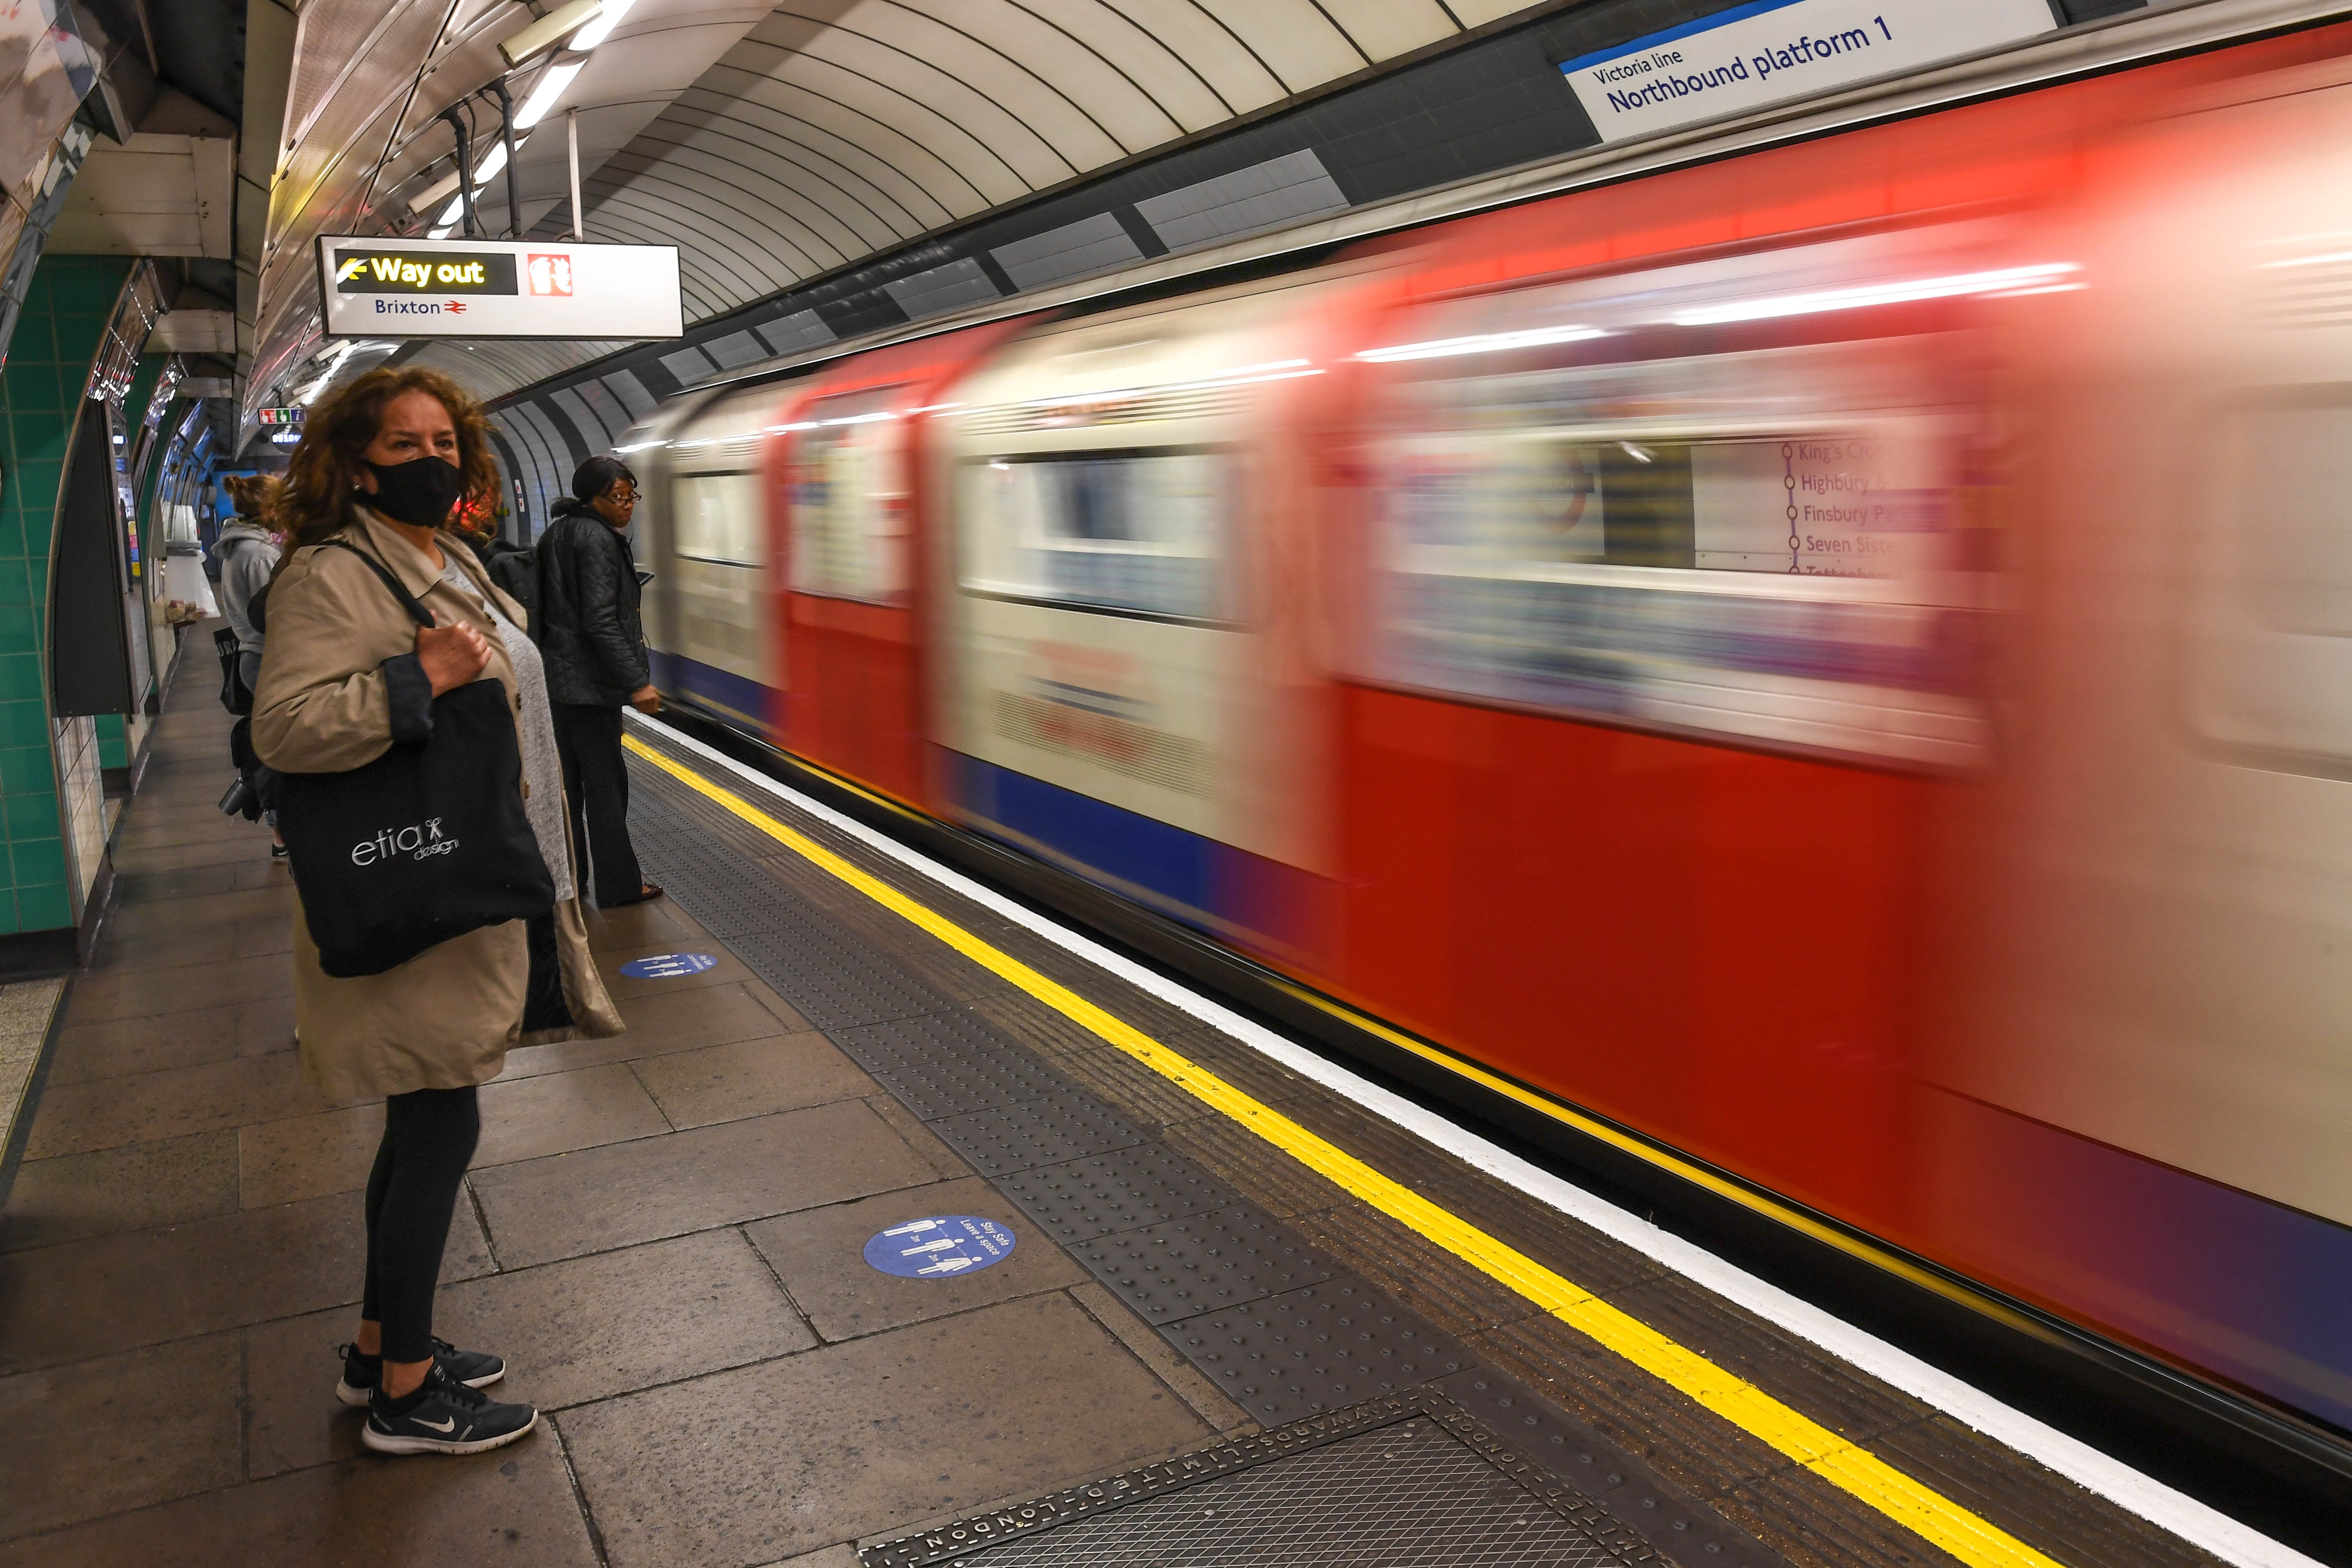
49 357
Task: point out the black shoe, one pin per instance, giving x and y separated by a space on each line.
277 852
475 1369
443 1416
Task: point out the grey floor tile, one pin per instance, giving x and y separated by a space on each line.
683 1021
292 1419
298 1157
107 1113
590 1328
117 1434
637 930
786 1457
207 1035
182 988
819 1255
129 1188
549 1114
513 1506
751 1078
95 1298
630 1193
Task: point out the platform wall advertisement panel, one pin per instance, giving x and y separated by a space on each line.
391 287
1772 50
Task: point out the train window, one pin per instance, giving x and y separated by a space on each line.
2274 609
1659 542
719 518
1135 531
849 500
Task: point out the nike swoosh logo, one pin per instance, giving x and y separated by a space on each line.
448 1426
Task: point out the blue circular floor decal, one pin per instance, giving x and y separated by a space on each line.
940 1247
667 965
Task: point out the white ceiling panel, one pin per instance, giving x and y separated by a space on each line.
775 142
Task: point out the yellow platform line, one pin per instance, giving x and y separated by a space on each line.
1927 1512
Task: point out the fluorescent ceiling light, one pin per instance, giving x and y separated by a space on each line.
1483 343
492 164
597 31
1868 294
549 31
551 83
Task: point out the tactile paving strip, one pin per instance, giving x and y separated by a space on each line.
947 1065
1678 1522
1321 1348
1082 1174
1412 1481
1126 1189
829 977
1199 1264
1040 1133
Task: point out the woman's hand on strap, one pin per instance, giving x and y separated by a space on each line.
451 656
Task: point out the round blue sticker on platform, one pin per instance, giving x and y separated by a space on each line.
940 1247
667 965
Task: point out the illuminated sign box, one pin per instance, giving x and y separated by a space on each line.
287 416
389 287
1770 50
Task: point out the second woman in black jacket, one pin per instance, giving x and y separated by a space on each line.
593 645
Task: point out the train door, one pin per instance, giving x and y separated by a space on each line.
712 561
1119 609
1664 644
2141 1119
851 499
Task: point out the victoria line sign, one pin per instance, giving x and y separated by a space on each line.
1770 50
389 287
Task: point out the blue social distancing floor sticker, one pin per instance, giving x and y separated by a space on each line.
667 965
940 1247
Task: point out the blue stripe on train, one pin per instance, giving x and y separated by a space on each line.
745 701
1146 860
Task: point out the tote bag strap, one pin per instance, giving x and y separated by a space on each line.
417 611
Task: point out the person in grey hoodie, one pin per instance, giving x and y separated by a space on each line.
246 553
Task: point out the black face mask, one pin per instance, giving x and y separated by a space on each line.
418 492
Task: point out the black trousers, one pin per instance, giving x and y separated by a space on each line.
596 782
428 1139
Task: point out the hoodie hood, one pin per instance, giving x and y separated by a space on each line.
242 528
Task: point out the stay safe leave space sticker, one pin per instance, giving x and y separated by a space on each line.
667 965
940 1247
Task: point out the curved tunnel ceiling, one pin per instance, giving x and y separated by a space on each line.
775 143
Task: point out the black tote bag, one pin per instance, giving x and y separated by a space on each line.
426 843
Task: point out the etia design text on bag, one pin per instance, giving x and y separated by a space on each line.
416 843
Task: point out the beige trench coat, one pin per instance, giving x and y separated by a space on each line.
446 1017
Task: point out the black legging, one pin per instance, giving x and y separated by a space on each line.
428 1137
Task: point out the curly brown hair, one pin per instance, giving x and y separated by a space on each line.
251 492
314 503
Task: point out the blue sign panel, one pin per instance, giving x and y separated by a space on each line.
940 1247
667 965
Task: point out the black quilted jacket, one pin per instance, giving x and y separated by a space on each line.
590 634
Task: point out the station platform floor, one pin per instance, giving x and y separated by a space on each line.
1244 1320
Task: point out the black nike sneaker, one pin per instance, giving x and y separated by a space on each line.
475 1369
443 1416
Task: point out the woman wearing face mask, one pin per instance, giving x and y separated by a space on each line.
346 676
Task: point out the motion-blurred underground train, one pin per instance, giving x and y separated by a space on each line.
1838 659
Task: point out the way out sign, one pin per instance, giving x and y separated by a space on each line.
940 1247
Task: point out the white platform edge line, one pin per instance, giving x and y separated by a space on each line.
2196 1522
